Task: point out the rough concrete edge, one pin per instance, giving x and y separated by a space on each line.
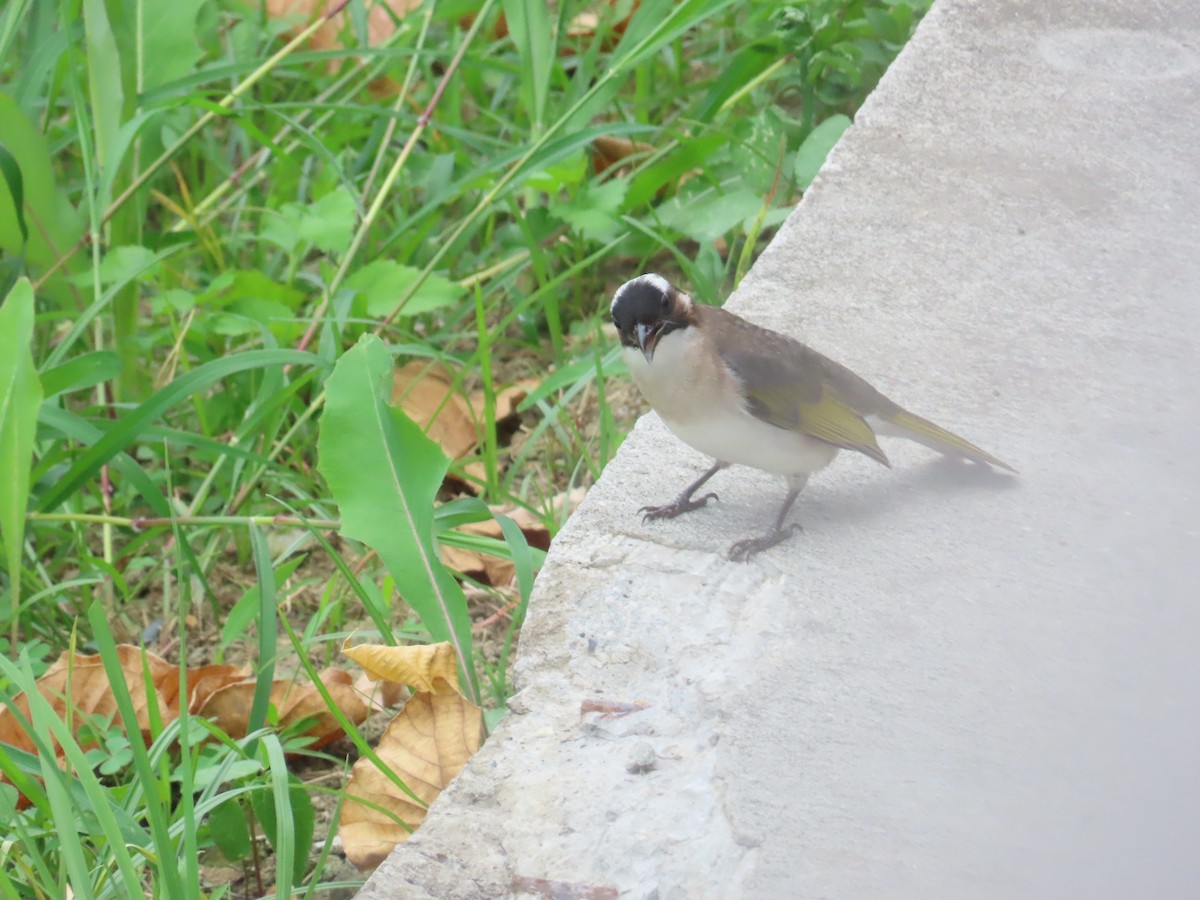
546 694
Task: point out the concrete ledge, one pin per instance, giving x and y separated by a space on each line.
953 684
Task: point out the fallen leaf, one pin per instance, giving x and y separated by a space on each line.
425 391
381 20
432 668
492 570
426 745
379 695
294 700
78 690
610 151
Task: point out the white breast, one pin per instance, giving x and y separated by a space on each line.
702 406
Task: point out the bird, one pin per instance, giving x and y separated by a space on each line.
746 395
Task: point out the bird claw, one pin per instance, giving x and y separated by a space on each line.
744 549
676 507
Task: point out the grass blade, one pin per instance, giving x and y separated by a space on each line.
20 397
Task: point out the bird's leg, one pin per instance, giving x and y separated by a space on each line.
744 549
684 502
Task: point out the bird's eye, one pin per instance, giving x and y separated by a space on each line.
666 303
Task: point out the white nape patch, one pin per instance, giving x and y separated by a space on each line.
649 278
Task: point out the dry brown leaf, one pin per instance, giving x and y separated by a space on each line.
381 19
425 391
491 570
294 700
379 695
426 745
78 688
432 668
507 401
610 151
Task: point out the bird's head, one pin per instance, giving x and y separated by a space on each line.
647 309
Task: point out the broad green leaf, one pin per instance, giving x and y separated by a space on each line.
812 153
122 264
43 205
169 37
326 224
20 396
593 211
15 182
383 282
227 824
711 214
298 807
384 473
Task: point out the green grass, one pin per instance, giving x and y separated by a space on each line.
215 239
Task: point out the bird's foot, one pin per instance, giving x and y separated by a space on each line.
676 507
744 549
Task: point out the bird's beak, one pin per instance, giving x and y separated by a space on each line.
647 337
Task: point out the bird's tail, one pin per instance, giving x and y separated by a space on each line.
902 423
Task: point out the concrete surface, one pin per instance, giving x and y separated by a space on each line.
954 684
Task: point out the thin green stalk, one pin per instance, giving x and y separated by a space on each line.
140 523
394 173
617 68
490 451
184 139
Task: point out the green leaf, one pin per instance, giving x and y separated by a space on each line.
711 214
326 224
122 264
43 203
231 834
169 35
593 211
72 425
81 373
129 427
384 473
20 397
11 170
745 65
247 608
383 282
266 805
812 153
104 80
529 26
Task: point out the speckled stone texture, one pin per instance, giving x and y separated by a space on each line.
955 683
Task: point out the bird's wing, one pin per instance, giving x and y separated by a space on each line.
787 384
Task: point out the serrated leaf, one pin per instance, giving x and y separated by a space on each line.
383 282
169 28
709 215
384 473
